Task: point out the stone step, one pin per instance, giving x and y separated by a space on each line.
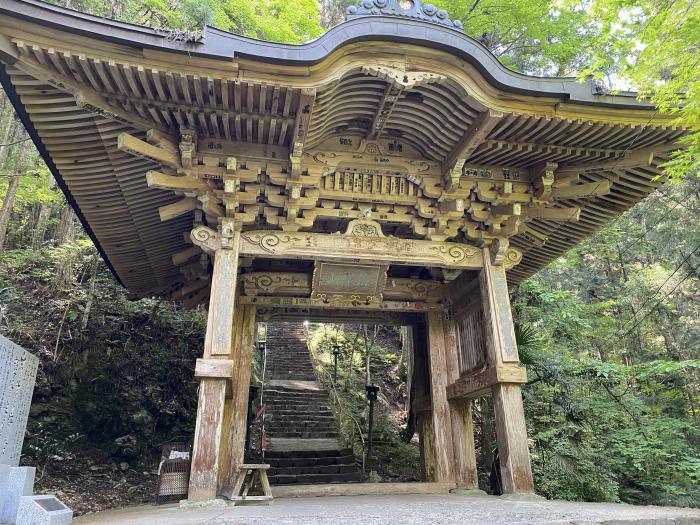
308 479
296 403
321 422
302 410
276 419
302 434
307 462
330 453
313 469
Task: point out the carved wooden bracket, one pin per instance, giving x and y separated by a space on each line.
503 254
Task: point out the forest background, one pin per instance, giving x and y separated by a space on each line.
611 330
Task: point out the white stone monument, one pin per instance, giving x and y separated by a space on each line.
17 376
43 510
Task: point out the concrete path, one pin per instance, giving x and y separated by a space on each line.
412 509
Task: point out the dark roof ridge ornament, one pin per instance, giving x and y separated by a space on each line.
403 8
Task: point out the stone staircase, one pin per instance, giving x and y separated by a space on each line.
302 436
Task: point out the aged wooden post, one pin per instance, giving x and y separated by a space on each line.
465 471
243 358
225 457
511 432
442 426
215 370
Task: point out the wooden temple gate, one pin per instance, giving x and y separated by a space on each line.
392 166
470 339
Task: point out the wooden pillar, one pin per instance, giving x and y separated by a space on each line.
243 359
511 432
215 370
227 425
442 426
427 445
465 470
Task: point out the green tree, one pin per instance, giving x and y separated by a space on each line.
654 45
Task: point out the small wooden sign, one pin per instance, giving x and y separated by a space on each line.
348 283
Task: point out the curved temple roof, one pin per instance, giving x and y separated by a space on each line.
473 152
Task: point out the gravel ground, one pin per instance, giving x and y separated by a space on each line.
402 509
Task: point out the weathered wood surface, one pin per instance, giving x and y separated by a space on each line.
461 424
219 336
511 434
214 368
213 410
442 427
244 359
479 382
424 424
498 319
301 245
207 440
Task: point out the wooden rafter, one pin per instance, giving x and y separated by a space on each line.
477 133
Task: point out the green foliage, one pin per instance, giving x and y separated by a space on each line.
274 20
393 459
124 382
537 37
613 398
653 45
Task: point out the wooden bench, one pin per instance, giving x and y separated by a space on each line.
247 480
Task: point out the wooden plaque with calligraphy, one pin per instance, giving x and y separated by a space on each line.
348 284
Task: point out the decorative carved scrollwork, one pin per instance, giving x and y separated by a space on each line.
405 8
364 228
512 258
206 238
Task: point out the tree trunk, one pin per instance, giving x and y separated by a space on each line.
8 200
91 293
10 134
40 226
66 226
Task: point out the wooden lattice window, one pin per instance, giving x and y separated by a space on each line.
470 339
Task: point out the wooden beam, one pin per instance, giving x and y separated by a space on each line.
553 214
214 368
321 246
475 135
307 302
185 255
392 93
156 179
85 98
553 149
139 148
307 97
478 383
579 191
635 158
170 211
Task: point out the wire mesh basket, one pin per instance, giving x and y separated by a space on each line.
174 472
